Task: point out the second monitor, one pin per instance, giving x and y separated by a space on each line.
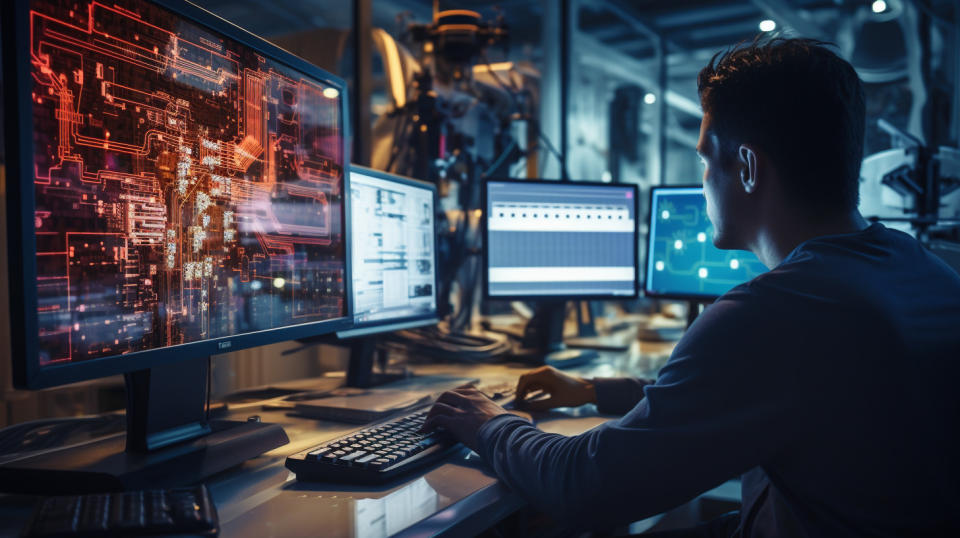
547 239
550 241
393 252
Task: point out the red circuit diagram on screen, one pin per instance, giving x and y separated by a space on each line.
187 187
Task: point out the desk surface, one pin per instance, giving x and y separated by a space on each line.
262 498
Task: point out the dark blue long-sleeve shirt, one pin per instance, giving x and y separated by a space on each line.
829 383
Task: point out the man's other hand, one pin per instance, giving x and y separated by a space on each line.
559 390
461 412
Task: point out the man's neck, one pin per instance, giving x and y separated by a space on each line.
777 240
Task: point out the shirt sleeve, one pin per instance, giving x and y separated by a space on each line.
616 396
724 403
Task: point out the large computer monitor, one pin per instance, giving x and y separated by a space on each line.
394 252
550 241
682 262
176 190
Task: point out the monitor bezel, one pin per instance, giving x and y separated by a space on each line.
407 322
27 371
696 297
564 297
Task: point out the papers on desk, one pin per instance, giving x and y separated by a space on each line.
379 518
360 406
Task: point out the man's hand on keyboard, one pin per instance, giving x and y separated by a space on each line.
461 412
554 389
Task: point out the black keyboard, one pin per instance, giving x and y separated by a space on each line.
380 452
181 511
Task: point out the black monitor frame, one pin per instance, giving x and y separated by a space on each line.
572 296
27 372
408 322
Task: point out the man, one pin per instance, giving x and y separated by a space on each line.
828 382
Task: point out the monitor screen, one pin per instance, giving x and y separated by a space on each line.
186 186
551 239
681 259
393 254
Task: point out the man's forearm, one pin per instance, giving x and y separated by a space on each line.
618 395
553 472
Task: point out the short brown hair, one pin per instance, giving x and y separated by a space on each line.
799 102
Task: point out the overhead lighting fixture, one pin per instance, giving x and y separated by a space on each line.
768 25
649 98
878 6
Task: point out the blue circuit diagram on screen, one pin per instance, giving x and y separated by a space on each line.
682 259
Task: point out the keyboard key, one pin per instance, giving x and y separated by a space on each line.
319 452
368 458
353 456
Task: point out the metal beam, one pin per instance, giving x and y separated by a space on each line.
611 33
568 10
616 63
742 29
956 75
362 80
688 17
551 123
785 16
627 16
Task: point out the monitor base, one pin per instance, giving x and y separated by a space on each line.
543 339
106 465
694 309
568 358
607 342
561 357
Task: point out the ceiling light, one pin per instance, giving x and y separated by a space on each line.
649 98
768 25
879 6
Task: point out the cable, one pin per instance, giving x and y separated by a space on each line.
513 92
57 433
398 130
440 342
935 17
503 155
209 385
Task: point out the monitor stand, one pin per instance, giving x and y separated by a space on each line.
588 337
694 309
363 355
543 339
169 441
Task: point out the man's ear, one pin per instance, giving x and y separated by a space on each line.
749 174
